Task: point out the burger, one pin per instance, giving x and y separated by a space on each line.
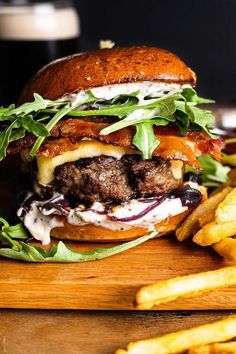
105 137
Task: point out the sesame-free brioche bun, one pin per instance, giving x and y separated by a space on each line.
100 234
83 71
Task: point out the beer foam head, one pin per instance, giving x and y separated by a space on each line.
41 21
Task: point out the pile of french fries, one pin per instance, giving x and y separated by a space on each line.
213 223
213 338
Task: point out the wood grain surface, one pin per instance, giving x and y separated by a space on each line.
109 283
89 332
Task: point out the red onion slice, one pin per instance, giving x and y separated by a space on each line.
100 212
142 213
149 200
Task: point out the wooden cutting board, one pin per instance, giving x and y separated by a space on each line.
110 283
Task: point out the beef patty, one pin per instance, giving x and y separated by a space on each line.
107 179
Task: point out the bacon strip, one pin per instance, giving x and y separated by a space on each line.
67 134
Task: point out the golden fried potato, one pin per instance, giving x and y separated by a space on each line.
184 286
206 219
179 342
213 233
217 348
232 178
204 211
226 248
226 210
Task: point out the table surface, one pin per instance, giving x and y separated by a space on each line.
89 332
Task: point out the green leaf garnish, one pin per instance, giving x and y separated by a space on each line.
58 116
145 139
40 116
213 173
191 96
32 126
5 138
29 107
11 246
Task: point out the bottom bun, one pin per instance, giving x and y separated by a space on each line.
92 232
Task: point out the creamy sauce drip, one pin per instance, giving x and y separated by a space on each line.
40 221
146 88
38 224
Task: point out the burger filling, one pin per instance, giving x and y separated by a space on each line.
101 199
110 156
115 193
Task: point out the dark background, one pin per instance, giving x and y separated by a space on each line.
201 32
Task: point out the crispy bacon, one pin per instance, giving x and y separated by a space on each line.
67 134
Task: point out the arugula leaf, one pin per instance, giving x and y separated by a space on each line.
84 98
122 100
6 234
5 137
145 139
166 106
16 231
16 134
29 107
132 119
9 235
214 173
41 115
190 95
142 115
58 116
32 126
183 122
204 119
4 116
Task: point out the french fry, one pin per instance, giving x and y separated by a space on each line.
232 178
217 348
219 189
206 219
179 342
184 286
213 233
205 210
226 210
226 248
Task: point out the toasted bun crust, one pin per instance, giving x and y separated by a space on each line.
105 67
100 234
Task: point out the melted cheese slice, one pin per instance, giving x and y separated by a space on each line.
87 148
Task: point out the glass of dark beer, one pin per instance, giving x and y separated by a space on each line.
31 35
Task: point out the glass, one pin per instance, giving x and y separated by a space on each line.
31 35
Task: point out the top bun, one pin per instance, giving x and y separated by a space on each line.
106 67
